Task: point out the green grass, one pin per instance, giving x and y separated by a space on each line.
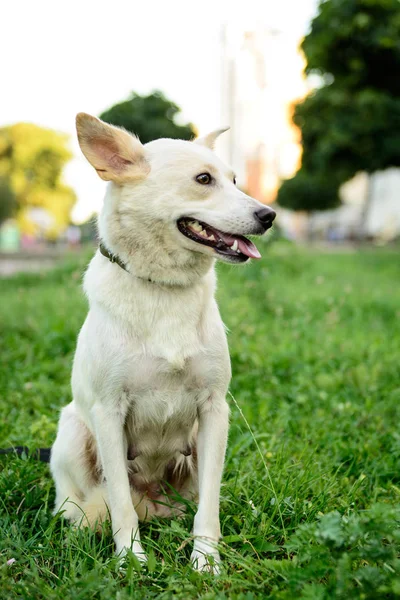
309 505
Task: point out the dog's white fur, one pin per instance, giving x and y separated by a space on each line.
151 369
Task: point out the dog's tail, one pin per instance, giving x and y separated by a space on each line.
42 454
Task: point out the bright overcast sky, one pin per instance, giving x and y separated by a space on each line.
59 58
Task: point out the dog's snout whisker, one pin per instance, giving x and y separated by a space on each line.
187 451
132 453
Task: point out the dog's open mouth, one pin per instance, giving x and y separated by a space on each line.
235 246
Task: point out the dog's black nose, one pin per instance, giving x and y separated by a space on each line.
265 216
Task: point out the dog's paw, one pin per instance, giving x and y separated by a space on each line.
205 556
136 549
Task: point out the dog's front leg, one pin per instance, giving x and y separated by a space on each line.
211 446
109 431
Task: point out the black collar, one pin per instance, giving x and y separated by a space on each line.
112 257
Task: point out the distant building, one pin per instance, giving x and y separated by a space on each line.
370 208
383 212
261 78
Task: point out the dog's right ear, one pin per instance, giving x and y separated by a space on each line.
115 154
209 140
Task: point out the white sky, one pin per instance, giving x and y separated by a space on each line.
59 58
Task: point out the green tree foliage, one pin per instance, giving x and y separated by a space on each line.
352 123
344 132
31 162
149 117
357 42
308 191
8 202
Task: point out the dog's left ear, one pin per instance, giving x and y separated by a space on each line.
115 154
210 139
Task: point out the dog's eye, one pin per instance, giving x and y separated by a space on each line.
234 181
204 178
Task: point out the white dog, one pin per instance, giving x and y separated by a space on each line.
148 424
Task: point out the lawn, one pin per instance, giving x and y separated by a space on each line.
310 500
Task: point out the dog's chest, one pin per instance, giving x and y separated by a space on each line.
164 324
163 403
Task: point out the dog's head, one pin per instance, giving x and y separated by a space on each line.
174 194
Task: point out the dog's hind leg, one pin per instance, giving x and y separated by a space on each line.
73 464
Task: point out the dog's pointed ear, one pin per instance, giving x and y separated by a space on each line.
210 139
115 154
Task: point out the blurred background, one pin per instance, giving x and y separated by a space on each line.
310 90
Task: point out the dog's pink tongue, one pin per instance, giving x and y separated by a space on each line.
245 246
248 248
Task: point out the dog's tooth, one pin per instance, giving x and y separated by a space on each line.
234 246
211 237
196 226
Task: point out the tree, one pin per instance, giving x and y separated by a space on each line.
352 123
149 117
344 132
308 192
31 162
357 43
